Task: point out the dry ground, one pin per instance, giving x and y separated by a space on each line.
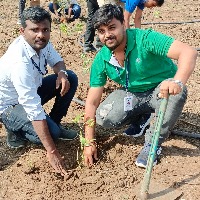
25 174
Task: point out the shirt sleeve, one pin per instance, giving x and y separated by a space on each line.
98 76
130 5
157 43
22 77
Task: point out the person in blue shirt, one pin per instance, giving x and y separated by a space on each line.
65 9
130 6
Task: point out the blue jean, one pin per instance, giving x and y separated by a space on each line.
111 114
76 10
15 118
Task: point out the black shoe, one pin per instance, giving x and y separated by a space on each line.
136 129
89 48
14 141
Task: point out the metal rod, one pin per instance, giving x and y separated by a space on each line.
153 148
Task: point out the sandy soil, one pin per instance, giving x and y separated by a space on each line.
25 173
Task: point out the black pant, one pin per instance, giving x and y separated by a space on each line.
22 4
92 6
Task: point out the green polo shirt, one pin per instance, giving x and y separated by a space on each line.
146 61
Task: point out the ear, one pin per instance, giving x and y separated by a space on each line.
123 24
22 30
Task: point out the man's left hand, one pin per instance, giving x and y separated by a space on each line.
65 84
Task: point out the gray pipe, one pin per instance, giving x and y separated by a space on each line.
78 101
186 134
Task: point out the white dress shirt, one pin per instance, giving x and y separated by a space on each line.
20 79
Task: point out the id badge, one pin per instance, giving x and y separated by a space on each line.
128 103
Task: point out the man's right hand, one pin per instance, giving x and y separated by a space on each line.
56 162
89 153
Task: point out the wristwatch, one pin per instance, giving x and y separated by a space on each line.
178 82
63 72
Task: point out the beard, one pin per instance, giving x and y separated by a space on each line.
113 47
114 43
40 44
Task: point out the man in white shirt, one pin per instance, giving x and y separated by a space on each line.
24 89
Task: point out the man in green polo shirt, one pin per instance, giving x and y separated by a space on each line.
140 61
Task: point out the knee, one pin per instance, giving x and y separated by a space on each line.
184 93
106 123
73 78
55 132
105 118
181 97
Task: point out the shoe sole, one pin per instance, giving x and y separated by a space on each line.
144 166
136 135
13 147
68 139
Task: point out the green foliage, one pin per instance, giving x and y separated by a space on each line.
78 119
86 63
63 28
83 141
78 27
157 14
90 122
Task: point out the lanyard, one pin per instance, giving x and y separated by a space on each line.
127 74
38 67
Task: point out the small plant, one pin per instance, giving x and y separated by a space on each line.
157 14
63 27
86 63
83 141
31 167
78 27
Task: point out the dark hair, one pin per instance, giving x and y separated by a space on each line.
106 13
159 2
34 14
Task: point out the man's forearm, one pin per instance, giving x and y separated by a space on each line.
55 8
42 131
92 102
90 120
90 123
69 12
138 18
137 23
127 16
